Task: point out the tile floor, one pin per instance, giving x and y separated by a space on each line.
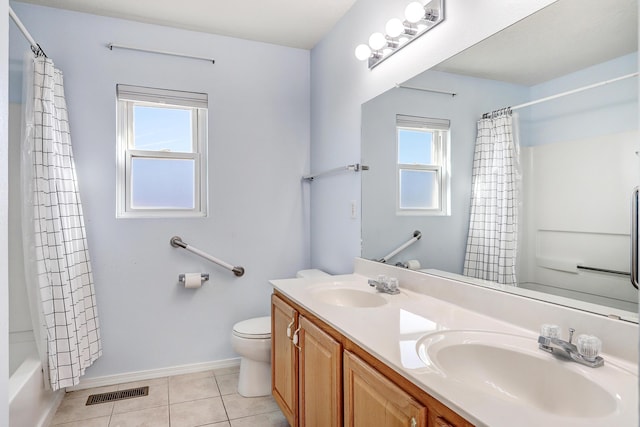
192 400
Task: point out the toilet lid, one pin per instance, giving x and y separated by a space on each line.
256 328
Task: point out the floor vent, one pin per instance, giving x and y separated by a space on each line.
112 396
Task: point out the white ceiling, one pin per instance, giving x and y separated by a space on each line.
564 37
293 23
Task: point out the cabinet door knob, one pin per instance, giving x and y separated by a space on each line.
289 328
414 423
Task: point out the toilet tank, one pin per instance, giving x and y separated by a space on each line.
312 273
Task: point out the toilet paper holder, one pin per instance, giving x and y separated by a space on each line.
182 278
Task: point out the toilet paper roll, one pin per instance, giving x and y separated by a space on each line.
413 264
192 280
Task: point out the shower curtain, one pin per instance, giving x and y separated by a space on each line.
493 225
57 260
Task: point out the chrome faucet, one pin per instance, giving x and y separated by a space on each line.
386 285
585 353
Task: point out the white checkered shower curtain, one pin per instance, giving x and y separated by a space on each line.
493 225
58 267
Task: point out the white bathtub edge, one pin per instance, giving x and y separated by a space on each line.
30 405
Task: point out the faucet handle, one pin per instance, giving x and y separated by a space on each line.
589 346
550 331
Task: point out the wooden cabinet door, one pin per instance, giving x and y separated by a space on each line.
320 377
370 399
442 416
284 360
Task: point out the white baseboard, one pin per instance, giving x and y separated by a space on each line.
154 373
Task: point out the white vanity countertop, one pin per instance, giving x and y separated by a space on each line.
391 332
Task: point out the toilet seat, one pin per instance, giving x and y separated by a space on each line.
256 328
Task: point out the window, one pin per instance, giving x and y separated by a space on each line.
162 140
422 166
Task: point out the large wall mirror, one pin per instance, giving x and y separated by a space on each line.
578 154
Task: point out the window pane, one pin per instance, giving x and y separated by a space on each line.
162 183
415 147
418 189
162 129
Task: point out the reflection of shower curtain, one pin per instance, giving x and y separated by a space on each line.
493 225
56 254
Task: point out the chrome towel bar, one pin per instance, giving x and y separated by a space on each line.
356 168
176 242
603 270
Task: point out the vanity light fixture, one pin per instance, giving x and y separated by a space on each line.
419 18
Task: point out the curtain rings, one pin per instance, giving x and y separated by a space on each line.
38 51
506 111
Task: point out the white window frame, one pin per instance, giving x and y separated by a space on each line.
440 128
127 98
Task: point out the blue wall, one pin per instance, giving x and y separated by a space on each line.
258 152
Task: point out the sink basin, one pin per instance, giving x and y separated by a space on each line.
348 297
512 367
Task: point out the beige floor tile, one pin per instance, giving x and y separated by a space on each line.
150 417
197 412
190 377
76 410
93 422
185 390
142 383
158 396
239 407
272 419
226 371
228 384
222 424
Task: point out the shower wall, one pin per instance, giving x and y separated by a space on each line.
4 177
578 213
580 167
19 314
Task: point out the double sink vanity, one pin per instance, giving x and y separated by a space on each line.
439 353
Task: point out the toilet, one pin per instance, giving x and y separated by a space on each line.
251 339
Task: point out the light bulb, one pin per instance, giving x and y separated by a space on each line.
363 52
377 41
394 27
414 12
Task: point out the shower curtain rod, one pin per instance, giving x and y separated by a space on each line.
35 47
110 46
424 89
570 92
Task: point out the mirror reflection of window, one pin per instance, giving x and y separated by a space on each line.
423 166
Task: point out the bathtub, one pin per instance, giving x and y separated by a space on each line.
30 405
